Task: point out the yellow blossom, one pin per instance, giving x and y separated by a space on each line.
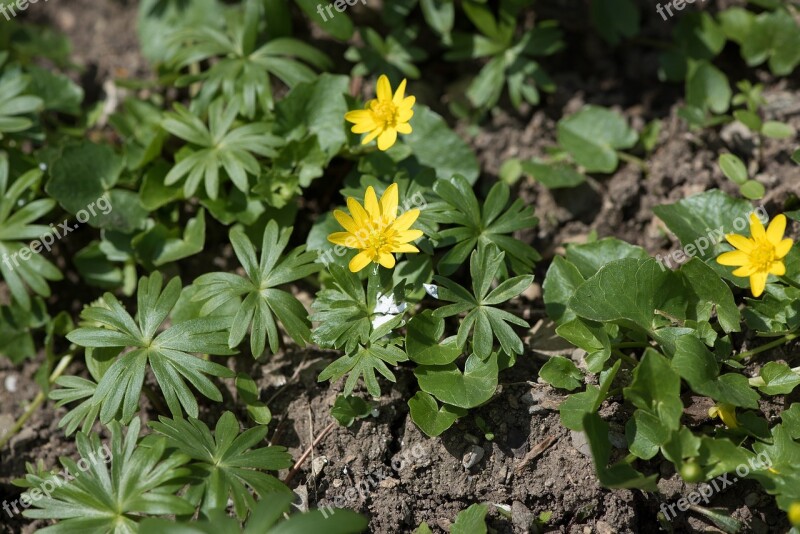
726 412
794 514
375 229
761 254
385 116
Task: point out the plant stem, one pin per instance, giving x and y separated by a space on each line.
37 401
630 158
299 463
772 344
630 359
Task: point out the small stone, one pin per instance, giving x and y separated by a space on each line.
472 456
11 383
549 483
389 483
318 464
337 483
581 443
618 441
601 527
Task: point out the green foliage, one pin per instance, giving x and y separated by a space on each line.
226 464
262 301
268 517
168 353
139 482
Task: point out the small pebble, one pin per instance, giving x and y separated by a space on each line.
317 465
11 383
472 456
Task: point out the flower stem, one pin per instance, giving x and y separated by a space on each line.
37 401
772 344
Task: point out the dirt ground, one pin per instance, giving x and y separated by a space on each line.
383 466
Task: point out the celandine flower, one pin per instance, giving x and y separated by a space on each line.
385 116
375 229
726 412
761 254
794 514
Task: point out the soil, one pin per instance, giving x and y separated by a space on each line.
383 466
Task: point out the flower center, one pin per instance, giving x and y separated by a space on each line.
386 112
763 256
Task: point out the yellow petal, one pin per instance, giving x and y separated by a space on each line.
757 283
384 88
371 205
403 128
360 261
372 135
734 258
756 228
364 120
776 229
346 239
783 248
745 270
404 115
740 242
389 200
360 216
346 221
405 247
406 236
778 268
405 221
386 259
387 139
400 93
408 102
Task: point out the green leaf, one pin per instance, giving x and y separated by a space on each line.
423 341
347 409
707 87
339 25
698 366
615 19
779 379
471 521
364 362
248 393
263 302
226 462
656 389
752 190
160 245
560 283
588 258
168 353
619 475
733 168
431 419
121 483
778 130
578 405
435 145
553 175
593 135
469 389
561 373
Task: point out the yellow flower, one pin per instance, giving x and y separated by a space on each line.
726 412
761 254
375 229
385 116
794 514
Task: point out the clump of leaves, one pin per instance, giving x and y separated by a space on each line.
139 344
262 300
